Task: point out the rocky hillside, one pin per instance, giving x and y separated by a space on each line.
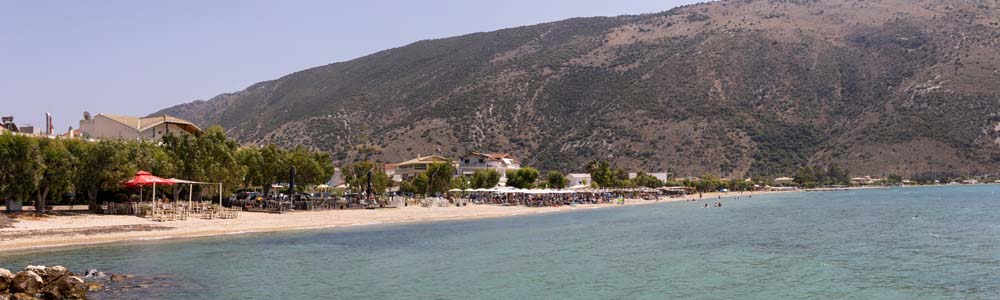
734 87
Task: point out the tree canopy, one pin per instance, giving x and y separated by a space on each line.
523 178
485 179
46 168
556 180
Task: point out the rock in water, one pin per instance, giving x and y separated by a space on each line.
40 270
93 273
27 282
92 287
117 277
54 273
65 287
5 277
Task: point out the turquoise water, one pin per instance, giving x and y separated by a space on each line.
903 243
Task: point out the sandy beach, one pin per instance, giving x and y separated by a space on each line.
86 229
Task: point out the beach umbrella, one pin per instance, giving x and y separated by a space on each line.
143 178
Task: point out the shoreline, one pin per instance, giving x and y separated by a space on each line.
55 232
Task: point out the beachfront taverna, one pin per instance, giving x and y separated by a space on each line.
121 127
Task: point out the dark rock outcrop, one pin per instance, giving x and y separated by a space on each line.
40 282
27 282
5 278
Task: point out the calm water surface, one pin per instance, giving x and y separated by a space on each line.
903 243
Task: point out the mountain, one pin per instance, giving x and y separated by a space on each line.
733 87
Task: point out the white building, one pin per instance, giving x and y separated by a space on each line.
579 180
409 169
118 127
500 162
784 180
662 176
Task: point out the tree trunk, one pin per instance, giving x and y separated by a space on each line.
92 200
41 202
177 192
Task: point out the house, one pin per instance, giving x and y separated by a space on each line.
501 162
784 180
408 169
970 181
390 170
29 129
8 123
662 176
579 180
867 180
119 127
72 133
337 179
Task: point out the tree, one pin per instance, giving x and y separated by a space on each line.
439 177
252 161
356 176
417 185
207 157
57 170
523 178
485 179
460 182
893 179
309 170
600 173
556 179
21 166
101 166
806 176
272 166
219 163
646 180
708 183
149 157
837 176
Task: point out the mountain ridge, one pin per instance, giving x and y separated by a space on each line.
736 88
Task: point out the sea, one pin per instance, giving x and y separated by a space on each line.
888 243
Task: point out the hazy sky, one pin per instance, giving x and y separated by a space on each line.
136 57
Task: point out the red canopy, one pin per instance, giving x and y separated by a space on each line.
146 178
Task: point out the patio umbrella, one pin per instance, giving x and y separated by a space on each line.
143 178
